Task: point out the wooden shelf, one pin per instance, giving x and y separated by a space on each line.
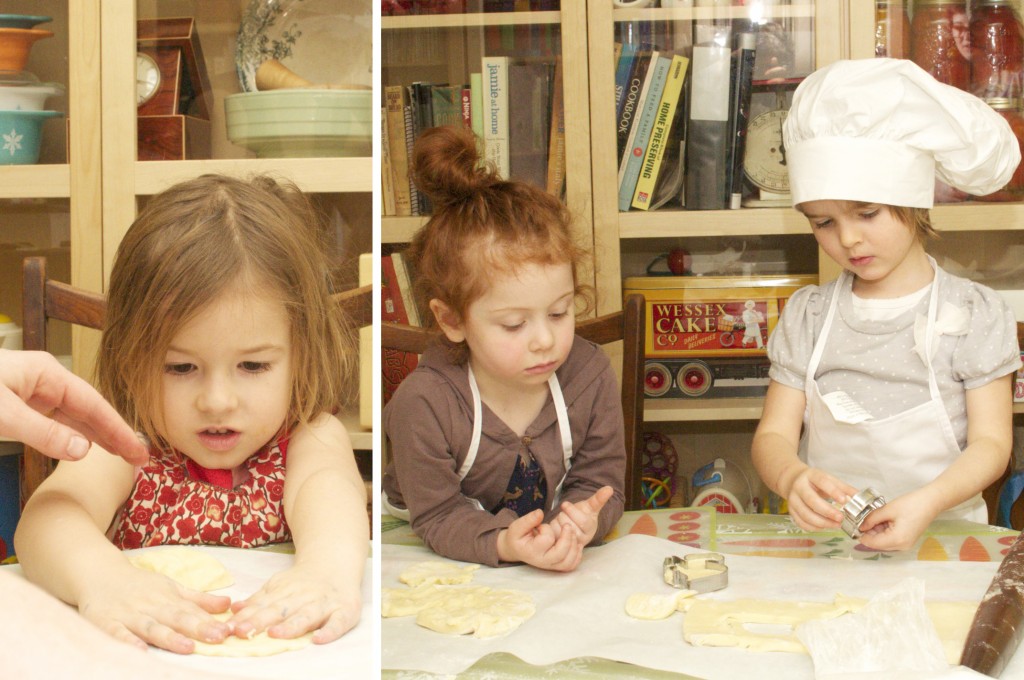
400 229
315 175
35 181
362 439
745 222
696 410
479 19
693 410
977 216
805 10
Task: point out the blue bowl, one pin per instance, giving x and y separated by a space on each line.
22 20
20 133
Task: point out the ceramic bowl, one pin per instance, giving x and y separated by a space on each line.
22 20
20 133
16 43
301 123
22 91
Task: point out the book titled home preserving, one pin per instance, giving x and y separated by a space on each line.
663 118
495 91
629 169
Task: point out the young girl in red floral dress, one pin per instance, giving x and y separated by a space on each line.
223 346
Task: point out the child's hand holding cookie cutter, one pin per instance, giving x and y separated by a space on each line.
858 508
702 572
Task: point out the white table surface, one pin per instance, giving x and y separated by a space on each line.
353 656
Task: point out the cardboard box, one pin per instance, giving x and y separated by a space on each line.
707 335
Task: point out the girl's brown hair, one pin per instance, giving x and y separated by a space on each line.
481 225
187 246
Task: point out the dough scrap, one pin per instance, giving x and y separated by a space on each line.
260 644
460 610
438 572
718 623
487 613
191 568
654 606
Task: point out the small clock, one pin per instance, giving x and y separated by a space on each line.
764 162
147 78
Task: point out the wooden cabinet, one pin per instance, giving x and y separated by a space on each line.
626 242
89 196
447 48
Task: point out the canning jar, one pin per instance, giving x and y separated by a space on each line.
940 41
1010 109
892 29
997 50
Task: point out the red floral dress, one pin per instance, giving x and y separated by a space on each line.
176 501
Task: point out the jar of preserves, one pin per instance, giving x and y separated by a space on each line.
940 41
1010 109
997 50
892 29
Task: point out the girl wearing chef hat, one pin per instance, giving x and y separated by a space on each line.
896 375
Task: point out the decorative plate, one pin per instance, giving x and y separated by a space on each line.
327 42
22 20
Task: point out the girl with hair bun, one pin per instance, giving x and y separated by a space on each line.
507 439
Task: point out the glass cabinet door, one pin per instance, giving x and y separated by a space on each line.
977 46
513 71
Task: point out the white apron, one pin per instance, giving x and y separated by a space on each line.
561 413
894 455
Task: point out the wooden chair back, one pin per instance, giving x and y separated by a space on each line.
43 299
628 326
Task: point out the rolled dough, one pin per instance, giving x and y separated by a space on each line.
199 571
719 623
438 572
260 644
191 568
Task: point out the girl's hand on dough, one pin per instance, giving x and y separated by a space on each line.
144 608
298 600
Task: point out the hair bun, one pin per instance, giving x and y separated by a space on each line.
446 165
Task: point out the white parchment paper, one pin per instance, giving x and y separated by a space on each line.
353 656
582 613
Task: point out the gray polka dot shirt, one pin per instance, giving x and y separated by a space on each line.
875 362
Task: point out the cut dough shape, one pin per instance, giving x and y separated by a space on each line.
485 614
260 644
460 610
718 623
191 568
410 601
445 573
654 606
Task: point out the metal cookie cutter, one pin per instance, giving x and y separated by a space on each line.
675 569
858 508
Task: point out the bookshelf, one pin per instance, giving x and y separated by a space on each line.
625 241
447 48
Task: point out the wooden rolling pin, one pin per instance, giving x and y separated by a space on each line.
998 624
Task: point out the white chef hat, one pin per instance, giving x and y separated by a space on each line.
882 130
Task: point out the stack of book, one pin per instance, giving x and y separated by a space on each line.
684 117
513 105
398 305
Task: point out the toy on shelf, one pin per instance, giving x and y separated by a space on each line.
660 463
